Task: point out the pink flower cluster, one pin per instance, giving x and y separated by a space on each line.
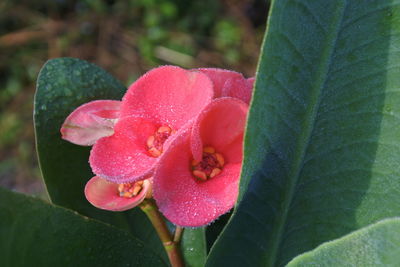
176 136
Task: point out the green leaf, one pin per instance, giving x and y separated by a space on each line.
63 85
36 233
322 146
375 245
193 246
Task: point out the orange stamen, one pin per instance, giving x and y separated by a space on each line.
220 159
130 190
155 142
209 150
210 165
150 141
136 189
200 175
215 172
163 129
154 152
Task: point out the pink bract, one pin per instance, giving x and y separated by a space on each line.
123 155
91 121
183 199
165 96
105 195
229 83
168 95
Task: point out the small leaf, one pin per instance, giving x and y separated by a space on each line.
63 85
37 233
375 245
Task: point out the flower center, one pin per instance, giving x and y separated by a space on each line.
130 190
155 142
210 165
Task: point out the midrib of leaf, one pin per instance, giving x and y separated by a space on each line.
309 123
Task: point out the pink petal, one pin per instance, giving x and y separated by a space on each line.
185 201
91 121
250 81
122 157
238 88
168 95
220 124
219 78
105 195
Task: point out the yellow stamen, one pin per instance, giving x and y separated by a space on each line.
136 189
200 175
155 142
150 141
210 165
220 159
127 195
163 129
215 172
154 152
121 187
130 190
209 149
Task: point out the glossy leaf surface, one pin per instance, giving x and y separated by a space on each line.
375 245
322 145
37 233
63 85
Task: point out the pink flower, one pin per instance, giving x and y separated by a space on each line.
130 137
196 180
116 197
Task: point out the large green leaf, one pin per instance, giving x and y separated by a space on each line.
34 233
322 146
375 245
63 85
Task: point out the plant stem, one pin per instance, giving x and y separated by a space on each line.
178 234
171 247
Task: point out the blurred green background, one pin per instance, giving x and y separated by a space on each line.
127 38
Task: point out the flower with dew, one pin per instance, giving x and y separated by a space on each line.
196 180
153 109
130 136
116 197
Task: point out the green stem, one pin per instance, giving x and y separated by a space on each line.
171 247
178 234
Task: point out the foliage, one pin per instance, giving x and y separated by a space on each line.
34 232
375 245
320 176
321 147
